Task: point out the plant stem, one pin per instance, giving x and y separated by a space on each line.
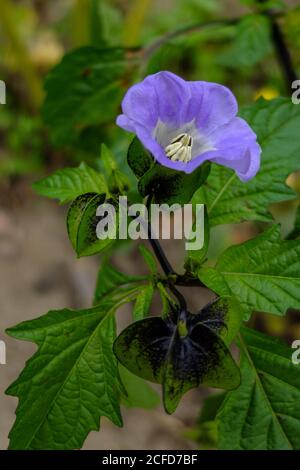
187 281
134 22
283 55
282 52
159 252
226 185
21 55
164 262
80 23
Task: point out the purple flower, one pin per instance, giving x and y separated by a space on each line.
183 124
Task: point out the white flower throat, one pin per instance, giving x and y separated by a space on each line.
180 148
183 143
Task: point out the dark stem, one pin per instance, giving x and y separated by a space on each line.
188 281
163 260
283 55
282 52
159 253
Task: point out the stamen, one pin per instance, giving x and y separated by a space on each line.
180 148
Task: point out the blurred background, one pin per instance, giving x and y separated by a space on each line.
38 268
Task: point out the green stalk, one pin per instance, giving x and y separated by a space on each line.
80 22
20 52
134 22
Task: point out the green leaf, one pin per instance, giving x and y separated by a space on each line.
263 273
295 233
139 393
251 44
210 407
265 5
138 158
149 258
166 299
111 280
195 258
276 124
69 183
117 181
143 302
96 23
108 160
205 432
172 186
290 25
166 185
70 382
167 351
83 89
82 222
265 408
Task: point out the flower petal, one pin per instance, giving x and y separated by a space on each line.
247 165
234 133
140 105
173 97
212 105
236 148
161 96
240 151
125 123
152 145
